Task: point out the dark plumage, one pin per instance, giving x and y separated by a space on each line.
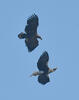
42 63
32 24
44 70
43 79
30 34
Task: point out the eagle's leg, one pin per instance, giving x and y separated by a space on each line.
39 37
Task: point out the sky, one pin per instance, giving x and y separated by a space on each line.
59 28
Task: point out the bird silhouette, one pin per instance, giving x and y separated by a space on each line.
31 36
44 70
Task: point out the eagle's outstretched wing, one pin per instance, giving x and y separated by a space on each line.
42 63
32 24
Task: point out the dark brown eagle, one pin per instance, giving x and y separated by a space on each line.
30 34
44 70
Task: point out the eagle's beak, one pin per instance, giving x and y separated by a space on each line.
54 69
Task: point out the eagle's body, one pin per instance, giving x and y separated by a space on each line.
30 34
44 70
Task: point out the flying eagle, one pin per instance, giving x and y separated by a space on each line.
30 34
44 70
